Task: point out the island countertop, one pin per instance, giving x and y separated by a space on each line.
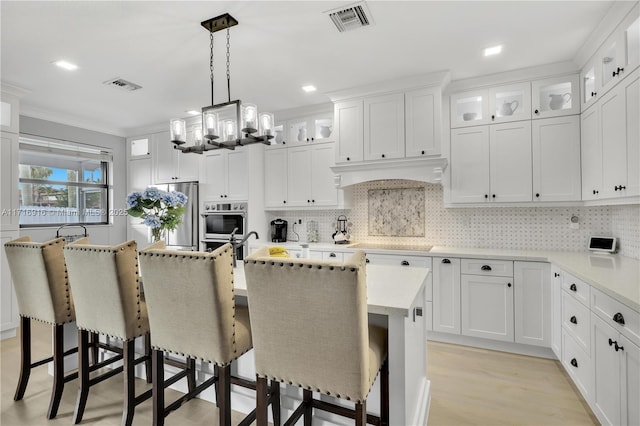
391 290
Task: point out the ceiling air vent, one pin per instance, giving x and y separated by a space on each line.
351 17
123 84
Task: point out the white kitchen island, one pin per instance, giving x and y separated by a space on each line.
395 299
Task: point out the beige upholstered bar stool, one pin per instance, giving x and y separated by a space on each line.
40 280
192 312
108 300
310 329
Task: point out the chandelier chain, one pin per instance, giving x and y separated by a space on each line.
228 64
211 63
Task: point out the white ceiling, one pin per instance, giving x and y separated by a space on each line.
277 47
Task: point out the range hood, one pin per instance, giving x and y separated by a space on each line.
427 170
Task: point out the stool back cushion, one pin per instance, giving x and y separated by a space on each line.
309 322
105 282
191 303
40 280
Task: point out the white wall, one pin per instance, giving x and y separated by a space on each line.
99 234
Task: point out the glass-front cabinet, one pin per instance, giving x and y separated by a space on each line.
620 54
470 108
510 103
553 97
317 128
589 84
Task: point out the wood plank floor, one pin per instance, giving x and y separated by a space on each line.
469 387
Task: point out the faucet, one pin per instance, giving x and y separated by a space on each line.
236 244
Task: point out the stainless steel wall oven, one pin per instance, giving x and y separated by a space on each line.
220 221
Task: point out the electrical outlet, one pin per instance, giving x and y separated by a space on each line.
574 222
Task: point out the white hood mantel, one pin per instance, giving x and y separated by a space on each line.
427 170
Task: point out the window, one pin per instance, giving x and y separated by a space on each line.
62 183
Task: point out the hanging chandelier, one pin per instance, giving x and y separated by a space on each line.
228 124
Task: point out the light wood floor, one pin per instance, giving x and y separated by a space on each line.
469 387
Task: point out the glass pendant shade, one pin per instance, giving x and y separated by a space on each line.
210 125
178 131
266 124
229 130
197 135
249 118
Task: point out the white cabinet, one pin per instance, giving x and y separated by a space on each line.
556 96
139 147
304 130
275 178
491 164
423 119
310 177
510 103
227 174
556 311
591 154
469 108
446 295
532 303
384 127
487 307
556 159
620 53
349 119
169 164
9 198
589 83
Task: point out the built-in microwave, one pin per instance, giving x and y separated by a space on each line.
223 219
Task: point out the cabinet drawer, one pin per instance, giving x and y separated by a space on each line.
498 268
399 260
333 255
578 365
577 288
576 320
617 315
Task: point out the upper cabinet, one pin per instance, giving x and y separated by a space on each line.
423 118
169 165
495 105
470 108
316 128
226 172
553 97
349 119
384 127
139 147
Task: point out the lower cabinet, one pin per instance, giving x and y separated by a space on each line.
532 303
556 311
487 307
446 295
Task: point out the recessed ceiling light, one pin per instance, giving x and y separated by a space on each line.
309 88
193 112
492 50
66 65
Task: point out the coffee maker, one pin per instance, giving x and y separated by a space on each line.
279 231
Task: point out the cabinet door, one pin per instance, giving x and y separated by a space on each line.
591 154
238 175
446 295
470 108
422 122
630 378
614 142
298 132
606 362
510 161
556 159
632 98
470 165
299 181
384 127
164 158
139 177
631 40
487 307
216 172
138 147
556 311
349 127
322 127
9 199
188 166
323 189
275 177
510 103
589 84
612 55
555 96
532 303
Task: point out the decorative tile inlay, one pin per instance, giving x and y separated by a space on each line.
396 212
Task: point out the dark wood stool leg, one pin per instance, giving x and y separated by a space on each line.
25 357
223 397
95 350
58 370
262 402
307 397
384 393
128 359
361 413
274 399
191 377
158 387
83 375
147 353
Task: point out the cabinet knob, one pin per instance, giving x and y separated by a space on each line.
555 274
508 284
332 255
367 260
348 159
308 201
594 192
573 320
307 139
615 188
493 196
284 143
493 117
313 201
536 112
446 261
573 287
284 202
574 362
537 195
382 155
404 263
422 152
312 139
618 347
486 196
485 268
619 318
611 342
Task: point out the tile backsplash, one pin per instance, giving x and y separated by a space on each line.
520 228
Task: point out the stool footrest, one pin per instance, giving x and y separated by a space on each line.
178 403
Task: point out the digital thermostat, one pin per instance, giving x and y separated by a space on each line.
602 244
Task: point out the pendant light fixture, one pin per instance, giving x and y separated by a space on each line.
228 124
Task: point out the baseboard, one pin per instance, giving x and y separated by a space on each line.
476 342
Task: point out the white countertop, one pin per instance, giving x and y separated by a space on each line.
391 290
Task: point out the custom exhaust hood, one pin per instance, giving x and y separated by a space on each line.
427 170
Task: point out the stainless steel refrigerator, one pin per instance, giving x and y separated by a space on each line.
185 237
